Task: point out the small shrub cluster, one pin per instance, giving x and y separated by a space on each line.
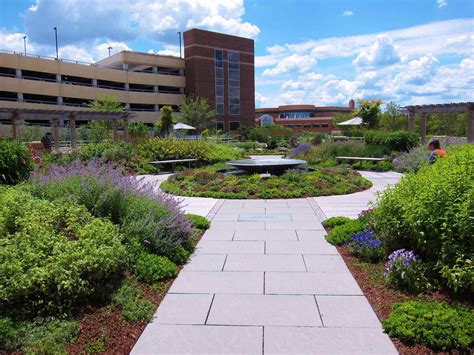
342 233
412 160
265 134
335 221
15 162
128 299
292 184
431 213
151 268
400 141
198 222
437 324
373 166
54 254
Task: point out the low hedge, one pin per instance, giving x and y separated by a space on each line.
431 213
342 233
401 141
15 162
437 324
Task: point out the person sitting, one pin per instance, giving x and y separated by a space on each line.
47 141
436 151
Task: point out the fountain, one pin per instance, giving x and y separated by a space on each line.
266 165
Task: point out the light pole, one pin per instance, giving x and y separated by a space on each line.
109 48
56 37
179 35
24 42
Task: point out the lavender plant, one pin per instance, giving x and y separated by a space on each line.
412 160
138 206
405 271
366 246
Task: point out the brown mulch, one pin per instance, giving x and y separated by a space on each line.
120 336
381 297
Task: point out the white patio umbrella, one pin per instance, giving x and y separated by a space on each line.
356 121
181 125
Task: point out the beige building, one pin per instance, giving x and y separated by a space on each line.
142 82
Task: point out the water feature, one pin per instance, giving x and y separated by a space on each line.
266 165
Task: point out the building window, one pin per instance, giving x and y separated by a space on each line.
219 85
325 125
316 126
234 126
220 125
295 115
234 83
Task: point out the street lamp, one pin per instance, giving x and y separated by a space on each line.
179 35
24 42
109 48
56 36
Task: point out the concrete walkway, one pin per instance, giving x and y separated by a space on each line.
263 280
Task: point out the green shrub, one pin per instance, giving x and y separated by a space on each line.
436 324
37 337
405 272
151 268
266 133
429 213
15 162
335 221
342 233
134 309
98 345
221 153
198 222
373 166
400 141
53 255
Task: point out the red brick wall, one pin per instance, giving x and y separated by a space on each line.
199 48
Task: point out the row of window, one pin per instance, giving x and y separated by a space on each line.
233 82
81 81
316 125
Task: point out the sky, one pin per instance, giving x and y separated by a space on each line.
320 52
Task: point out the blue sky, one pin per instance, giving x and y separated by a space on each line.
320 52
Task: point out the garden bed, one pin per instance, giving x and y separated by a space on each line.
293 184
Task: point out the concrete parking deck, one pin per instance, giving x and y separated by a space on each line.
263 280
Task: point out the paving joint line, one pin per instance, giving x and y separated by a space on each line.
209 311
319 311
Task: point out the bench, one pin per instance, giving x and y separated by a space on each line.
362 159
173 162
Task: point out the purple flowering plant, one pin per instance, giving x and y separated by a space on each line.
366 246
139 206
405 271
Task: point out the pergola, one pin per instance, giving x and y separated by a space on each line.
426 110
16 115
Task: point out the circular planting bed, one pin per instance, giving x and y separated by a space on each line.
292 184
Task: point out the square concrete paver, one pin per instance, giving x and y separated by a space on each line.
264 217
294 225
199 339
183 309
300 247
347 312
230 247
311 235
206 262
304 217
310 283
233 210
315 341
218 282
292 210
264 263
213 234
264 310
231 217
265 235
239 225
325 263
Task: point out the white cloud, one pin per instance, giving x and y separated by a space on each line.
383 52
441 3
122 20
293 63
348 13
14 42
260 100
168 49
418 71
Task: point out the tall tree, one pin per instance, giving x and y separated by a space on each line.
165 125
100 130
196 112
369 111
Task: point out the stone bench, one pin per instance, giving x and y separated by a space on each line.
174 162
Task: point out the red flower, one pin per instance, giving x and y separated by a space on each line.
37 160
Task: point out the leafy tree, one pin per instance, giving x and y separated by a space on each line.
393 118
196 112
369 111
164 126
100 130
137 130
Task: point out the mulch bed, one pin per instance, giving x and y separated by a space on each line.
381 297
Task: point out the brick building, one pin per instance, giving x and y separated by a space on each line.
302 117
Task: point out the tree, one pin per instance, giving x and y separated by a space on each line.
196 112
165 125
100 130
393 118
369 111
137 130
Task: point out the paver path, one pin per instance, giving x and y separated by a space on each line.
263 280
